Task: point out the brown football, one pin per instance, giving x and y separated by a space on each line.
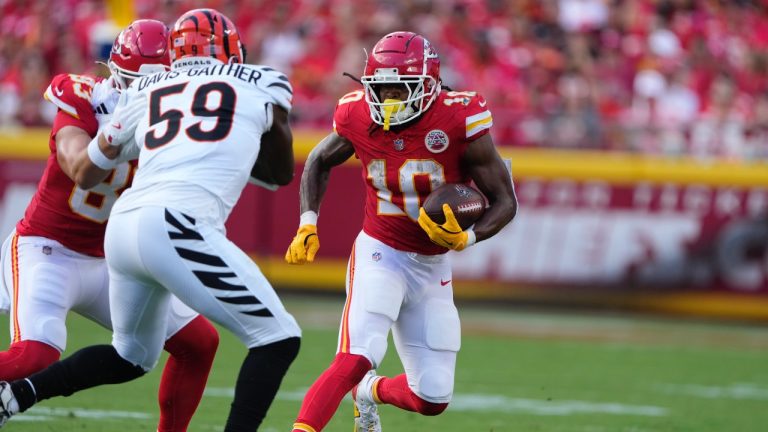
467 203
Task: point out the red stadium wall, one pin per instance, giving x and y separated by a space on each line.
594 228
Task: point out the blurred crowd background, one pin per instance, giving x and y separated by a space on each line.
666 77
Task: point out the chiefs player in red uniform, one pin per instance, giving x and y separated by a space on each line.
54 261
410 137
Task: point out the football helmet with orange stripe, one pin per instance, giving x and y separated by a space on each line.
206 33
404 58
141 49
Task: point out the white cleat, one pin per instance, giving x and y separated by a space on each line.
366 413
8 404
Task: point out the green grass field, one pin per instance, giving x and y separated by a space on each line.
519 370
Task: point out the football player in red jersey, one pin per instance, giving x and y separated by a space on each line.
410 136
54 261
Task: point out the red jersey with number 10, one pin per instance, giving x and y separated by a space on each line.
60 210
403 165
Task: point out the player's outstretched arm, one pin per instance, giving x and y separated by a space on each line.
275 162
72 155
330 152
333 150
491 176
88 162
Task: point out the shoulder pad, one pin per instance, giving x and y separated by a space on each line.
276 84
71 93
352 96
345 108
475 110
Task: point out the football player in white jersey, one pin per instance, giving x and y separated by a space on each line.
53 261
203 129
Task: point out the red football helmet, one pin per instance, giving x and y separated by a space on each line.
206 33
141 49
402 58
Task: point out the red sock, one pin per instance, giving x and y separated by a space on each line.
325 395
25 358
395 391
192 350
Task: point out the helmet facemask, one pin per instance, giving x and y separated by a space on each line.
422 91
124 77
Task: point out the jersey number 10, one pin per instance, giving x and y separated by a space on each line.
406 200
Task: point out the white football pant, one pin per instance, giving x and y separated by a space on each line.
45 280
154 252
411 294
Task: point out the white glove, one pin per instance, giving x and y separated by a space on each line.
122 127
104 91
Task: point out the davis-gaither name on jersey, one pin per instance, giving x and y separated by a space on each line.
242 72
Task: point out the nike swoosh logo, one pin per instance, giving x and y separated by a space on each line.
58 92
483 103
444 283
117 125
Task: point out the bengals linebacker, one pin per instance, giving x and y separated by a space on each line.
201 130
53 262
411 136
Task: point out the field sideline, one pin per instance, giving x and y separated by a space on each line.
519 370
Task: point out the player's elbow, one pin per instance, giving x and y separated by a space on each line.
513 206
85 181
508 205
283 177
87 176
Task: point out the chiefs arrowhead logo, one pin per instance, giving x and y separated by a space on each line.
436 141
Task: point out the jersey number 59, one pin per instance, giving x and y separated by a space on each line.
221 108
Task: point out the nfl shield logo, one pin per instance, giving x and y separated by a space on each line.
399 144
376 256
462 190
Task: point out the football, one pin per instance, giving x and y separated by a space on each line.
467 203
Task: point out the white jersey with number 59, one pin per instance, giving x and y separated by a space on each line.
198 129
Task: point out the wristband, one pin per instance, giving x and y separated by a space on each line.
97 156
308 218
471 238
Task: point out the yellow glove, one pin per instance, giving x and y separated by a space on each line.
304 245
448 235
